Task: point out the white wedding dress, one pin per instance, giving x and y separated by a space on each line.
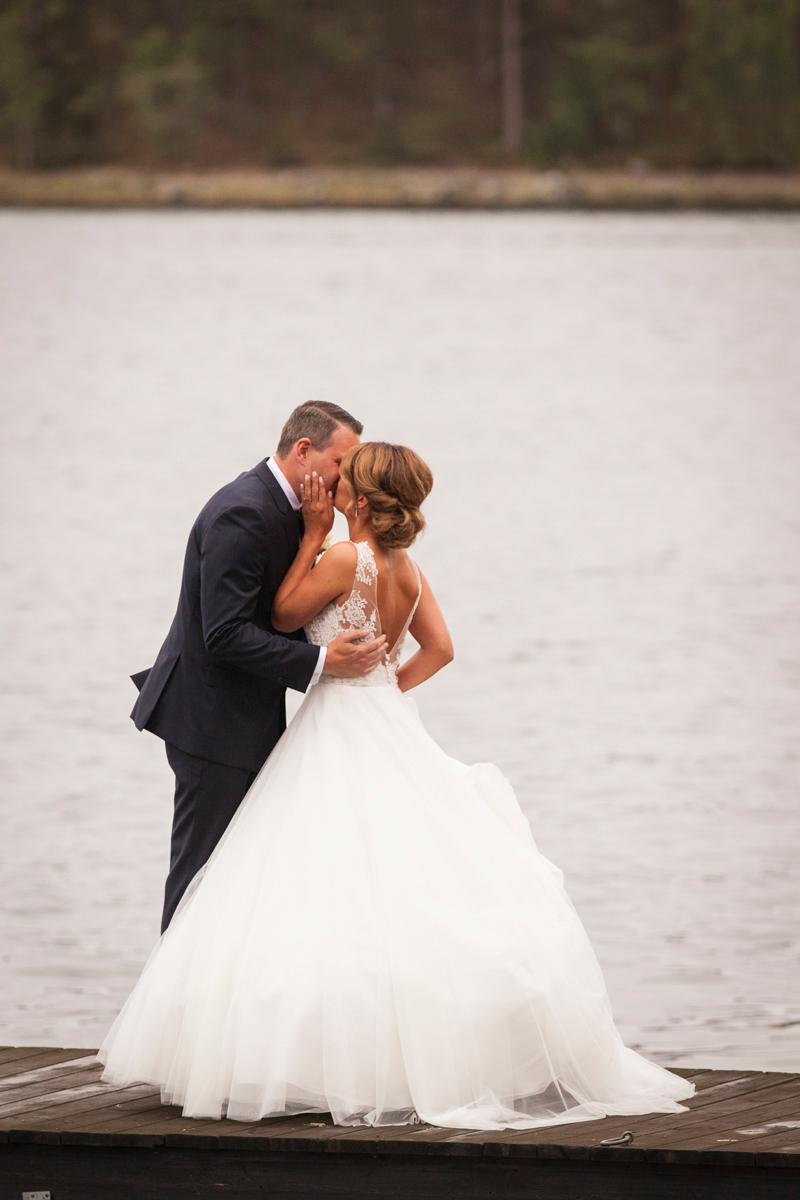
377 936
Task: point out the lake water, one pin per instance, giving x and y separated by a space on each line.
611 408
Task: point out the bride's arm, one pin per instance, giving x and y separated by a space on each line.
429 629
304 592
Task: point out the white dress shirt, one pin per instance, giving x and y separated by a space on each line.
294 500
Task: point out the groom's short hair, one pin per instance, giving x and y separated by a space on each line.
316 420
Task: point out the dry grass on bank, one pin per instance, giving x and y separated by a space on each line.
399 187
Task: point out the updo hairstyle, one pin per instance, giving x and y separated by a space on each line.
395 481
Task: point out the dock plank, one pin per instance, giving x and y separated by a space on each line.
9 1069
44 1107
76 1083
712 1105
60 1125
710 1094
107 1120
730 1123
39 1081
786 1143
52 1116
15 1054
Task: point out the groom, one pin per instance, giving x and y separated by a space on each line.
216 692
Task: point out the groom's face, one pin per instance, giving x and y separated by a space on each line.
326 461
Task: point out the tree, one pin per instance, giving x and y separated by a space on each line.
24 88
512 77
740 87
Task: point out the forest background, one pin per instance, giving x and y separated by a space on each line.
209 84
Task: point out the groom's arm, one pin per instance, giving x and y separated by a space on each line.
233 558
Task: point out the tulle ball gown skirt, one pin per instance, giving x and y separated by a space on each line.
377 936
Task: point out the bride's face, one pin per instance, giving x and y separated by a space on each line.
343 496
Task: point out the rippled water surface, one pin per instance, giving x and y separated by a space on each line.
610 405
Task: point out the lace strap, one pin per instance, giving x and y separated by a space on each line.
366 565
360 609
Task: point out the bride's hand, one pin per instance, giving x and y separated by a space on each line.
317 509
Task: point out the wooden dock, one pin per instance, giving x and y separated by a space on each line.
65 1133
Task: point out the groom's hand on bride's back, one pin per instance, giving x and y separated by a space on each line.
350 655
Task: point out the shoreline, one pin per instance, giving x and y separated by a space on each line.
454 188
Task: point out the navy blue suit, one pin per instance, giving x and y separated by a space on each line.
216 692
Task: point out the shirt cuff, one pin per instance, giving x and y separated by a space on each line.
320 665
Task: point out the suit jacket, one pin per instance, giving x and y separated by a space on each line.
217 687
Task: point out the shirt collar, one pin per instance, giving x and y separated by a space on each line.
286 487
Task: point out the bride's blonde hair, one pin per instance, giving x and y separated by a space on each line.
395 481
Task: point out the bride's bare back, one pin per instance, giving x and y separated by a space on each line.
383 598
389 595
398 588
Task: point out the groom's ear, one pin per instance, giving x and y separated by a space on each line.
301 449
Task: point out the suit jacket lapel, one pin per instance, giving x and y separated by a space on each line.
273 487
293 527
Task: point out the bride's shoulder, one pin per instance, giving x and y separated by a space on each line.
411 565
341 552
338 561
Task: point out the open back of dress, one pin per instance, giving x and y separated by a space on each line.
360 611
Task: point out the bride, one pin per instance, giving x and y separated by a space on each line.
376 934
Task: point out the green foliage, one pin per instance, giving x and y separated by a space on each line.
164 85
602 89
740 91
278 82
24 90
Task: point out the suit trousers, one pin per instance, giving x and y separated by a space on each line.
207 795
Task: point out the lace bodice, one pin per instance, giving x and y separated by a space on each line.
360 611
